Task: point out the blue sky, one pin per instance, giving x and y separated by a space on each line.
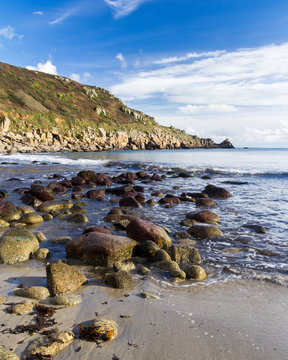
216 68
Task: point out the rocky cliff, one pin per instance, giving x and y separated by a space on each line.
42 112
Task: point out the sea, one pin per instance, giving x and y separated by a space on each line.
256 177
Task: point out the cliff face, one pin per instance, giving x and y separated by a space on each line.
42 112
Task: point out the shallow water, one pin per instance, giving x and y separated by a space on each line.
262 198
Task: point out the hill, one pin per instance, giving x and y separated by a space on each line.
43 112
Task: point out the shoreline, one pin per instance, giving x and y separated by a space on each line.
234 320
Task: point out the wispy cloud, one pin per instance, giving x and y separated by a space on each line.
38 13
9 33
227 90
84 78
124 7
46 67
122 60
188 56
64 15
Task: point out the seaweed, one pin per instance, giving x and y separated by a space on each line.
93 334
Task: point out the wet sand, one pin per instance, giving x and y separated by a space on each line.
232 320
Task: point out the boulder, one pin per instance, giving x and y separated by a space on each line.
216 192
205 203
77 181
33 292
100 249
8 211
77 219
119 280
95 194
184 254
48 346
42 193
204 231
195 272
204 216
142 230
16 245
62 278
31 218
55 205
129 201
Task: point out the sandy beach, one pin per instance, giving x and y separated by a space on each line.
232 320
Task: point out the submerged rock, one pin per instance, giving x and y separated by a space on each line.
48 346
62 278
257 228
142 230
204 231
96 248
16 245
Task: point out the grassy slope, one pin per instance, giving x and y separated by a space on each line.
37 100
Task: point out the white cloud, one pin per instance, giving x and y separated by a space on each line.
9 33
47 67
188 56
62 17
221 91
124 7
81 79
75 77
122 60
38 13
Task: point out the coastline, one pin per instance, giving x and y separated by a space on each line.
233 320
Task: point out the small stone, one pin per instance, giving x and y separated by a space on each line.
2 299
26 209
119 280
33 292
143 270
195 272
47 217
7 354
42 254
170 266
21 308
66 300
77 218
48 346
146 295
204 216
61 240
162 255
123 265
40 236
99 330
181 235
205 203
188 222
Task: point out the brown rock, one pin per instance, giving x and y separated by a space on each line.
205 203
142 230
8 211
62 278
95 194
129 201
204 216
195 272
184 254
119 280
204 231
96 229
217 192
100 249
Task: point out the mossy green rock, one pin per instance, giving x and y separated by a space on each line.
184 254
170 266
33 292
8 211
7 354
31 218
55 205
77 219
62 278
16 245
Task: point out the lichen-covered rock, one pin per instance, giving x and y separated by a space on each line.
31 218
99 330
42 254
96 248
7 354
22 308
77 219
33 292
8 211
184 254
216 192
66 300
119 280
195 272
142 230
203 216
4 224
16 245
62 278
204 231
49 345
55 205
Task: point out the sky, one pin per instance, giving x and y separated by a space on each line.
215 68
